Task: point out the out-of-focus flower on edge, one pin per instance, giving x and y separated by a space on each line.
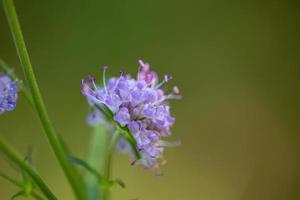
139 105
8 94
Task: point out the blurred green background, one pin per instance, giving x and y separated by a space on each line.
237 64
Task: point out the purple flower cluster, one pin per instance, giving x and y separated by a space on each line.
8 94
139 105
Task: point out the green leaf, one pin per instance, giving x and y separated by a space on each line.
120 182
103 182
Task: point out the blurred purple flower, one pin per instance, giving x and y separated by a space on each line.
8 94
139 104
94 118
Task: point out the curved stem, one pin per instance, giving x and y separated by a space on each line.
34 193
16 158
108 168
53 139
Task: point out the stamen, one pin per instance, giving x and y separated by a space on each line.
162 143
174 96
122 73
97 100
176 90
82 82
145 66
167 78
103 78
92 81
170 96
141 62
85 88
91 78
138 73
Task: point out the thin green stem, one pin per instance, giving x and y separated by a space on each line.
109 161
53 139
34 193
96 159
17 159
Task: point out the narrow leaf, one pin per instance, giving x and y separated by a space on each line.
120 182
103 182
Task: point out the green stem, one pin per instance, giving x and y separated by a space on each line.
34 193
96 159
17 159
53 139
109 161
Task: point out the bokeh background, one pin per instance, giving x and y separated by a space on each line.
237 64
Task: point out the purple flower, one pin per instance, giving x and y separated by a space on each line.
8 94
123 146
134 127
139 104
123 116
95 118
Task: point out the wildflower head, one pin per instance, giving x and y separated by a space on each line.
139 105
8 94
